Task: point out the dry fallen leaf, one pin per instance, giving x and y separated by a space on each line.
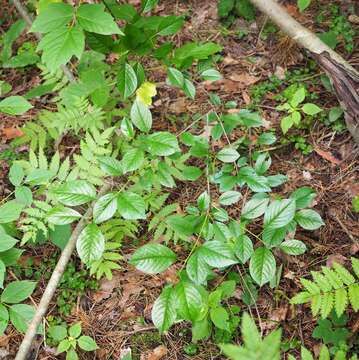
157 354
244 78
335 258
178 106
12 133
327 155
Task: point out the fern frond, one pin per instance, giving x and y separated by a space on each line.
330 289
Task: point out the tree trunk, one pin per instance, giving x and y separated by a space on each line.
345 78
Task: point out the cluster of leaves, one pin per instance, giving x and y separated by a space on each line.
228 10
269 348
68 339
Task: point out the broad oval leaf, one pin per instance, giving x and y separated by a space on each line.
309 219
131 206
132 160
293 247
164 312
14 105
217 254
279 213
62 215
262 266
228 155
127 80
255 207
6 242
87 343
90 244
10 211
175 77
197 269
229 198
17 291
104 208
162 143
110 165
153 258
4 319
243 248
303 197
190 301
94 18
74 193
141 116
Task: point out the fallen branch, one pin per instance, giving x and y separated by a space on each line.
345 78
53 282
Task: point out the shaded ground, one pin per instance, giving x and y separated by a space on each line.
118 314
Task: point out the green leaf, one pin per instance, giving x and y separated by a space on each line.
54 17
303 4
74 193
190 302
104 208
60 235
64 346
309 219
110 165
90 244
126 80
21 316
220 317
169 25
16 174
60 45
141 116
8 39
131 206
286 123
153 258
191 173
162 143
93 18
229 198
87 343
243 248
4 319
57 332
225 7
2 275
228 155
311 109
303 197
211 75
17 291
197 269
255 207
217 254
148 5
305 354
72 355
75 330
175 77
329 38
132 160
293 247
262 266
164 310
298 97
279 213
14 105
62 215
335 113
245 9
6 242
23 195
189 89
10 211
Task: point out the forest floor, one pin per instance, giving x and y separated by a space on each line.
117 312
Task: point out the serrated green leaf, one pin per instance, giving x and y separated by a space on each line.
311 109
303 197
229 198
14 105
197 269
164 310
132 160
87 343
217 254
110 165
309 219
293 247
104 208
90 244
62 215
93 18
153 258
131 206
126 80
340 301
17 291
279 213
255 207
141 116
262 266
162 143
21 315
74 193
243 248
228 155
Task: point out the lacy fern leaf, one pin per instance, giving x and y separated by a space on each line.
330 289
